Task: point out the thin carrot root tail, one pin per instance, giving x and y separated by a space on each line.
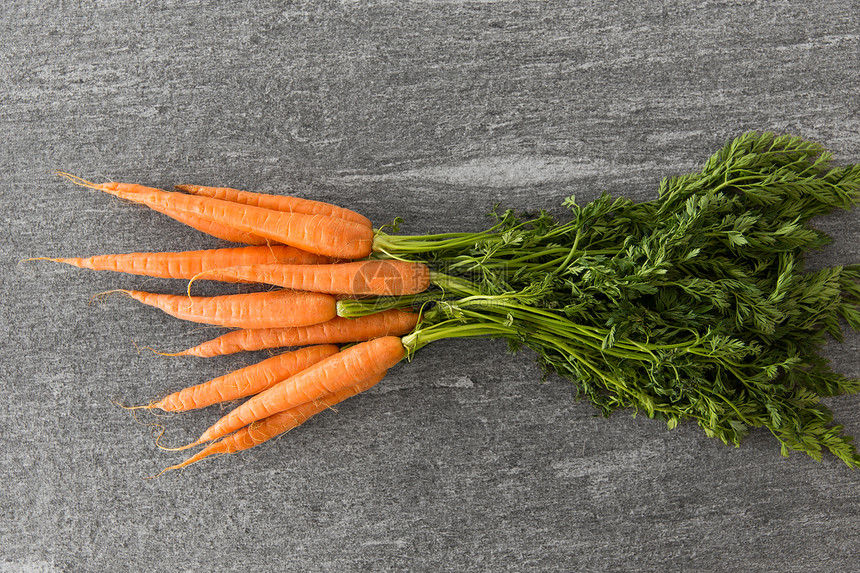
154 351
177 449
78 180
52 259
159 474
202 454
195 458
102 296
167 469
133 409
198 276
149 406
21 262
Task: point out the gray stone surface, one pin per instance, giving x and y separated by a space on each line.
434 111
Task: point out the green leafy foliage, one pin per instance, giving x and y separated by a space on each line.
692 306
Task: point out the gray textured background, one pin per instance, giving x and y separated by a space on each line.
433 111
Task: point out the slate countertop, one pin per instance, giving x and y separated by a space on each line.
461 460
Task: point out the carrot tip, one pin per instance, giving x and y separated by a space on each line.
150 406
162 472
78 180
151 425
154 351
52 259
193 459
177 449
23 261
173 467
100 296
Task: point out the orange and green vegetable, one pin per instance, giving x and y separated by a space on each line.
694 306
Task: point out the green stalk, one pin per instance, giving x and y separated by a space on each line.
354 308
421 337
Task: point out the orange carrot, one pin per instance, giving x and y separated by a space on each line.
336 331
315 233
354 278
333 374
246 381
194 221
190 264
276 424
276 202
252 310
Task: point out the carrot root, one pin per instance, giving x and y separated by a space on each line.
78 180
202 224
252 310
339 330
321 234
149 406
358 278
190 264
276 202
154 351
178 448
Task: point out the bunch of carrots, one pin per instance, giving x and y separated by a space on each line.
691 306
306 250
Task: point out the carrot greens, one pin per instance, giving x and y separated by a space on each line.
694 305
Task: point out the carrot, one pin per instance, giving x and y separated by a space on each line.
354 278
194 221
190 264
315 233
330 375
252 310
276 202
256 433
335 331
246 381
